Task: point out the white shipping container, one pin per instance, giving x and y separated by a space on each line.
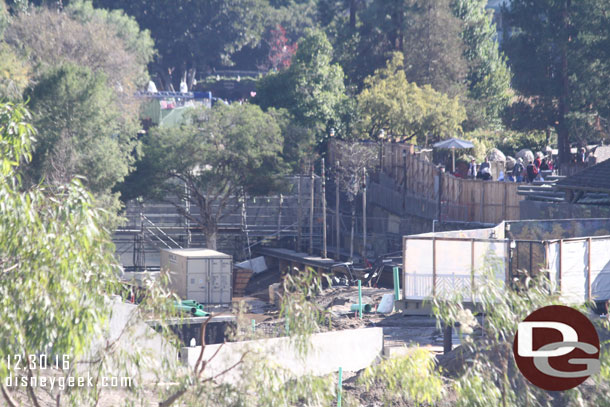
202 275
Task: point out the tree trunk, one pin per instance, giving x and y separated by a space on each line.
563 136
211 235
352 14
351 239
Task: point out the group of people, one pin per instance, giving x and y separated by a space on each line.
519 173
531 171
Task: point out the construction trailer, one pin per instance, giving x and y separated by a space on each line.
574 252
202 275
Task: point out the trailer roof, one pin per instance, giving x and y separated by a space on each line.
198 252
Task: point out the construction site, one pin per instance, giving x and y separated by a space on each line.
414 235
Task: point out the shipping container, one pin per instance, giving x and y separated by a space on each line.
202 275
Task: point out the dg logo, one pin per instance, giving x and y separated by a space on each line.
557 348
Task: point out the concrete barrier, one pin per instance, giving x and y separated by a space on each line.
353 350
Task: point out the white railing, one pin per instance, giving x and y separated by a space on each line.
420 286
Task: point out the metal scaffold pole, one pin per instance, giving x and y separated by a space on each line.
323 211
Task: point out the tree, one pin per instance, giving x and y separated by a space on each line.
14 74
390 103
311 88
351 161
104 42
214 158
57 267
280 51
194 36
84 133
558 53
432 47
488 75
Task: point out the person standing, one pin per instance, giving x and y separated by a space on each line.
531 171
472 169
518 170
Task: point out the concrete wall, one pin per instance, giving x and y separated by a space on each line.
560 210
558 228
352 350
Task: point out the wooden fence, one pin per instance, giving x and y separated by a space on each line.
463 200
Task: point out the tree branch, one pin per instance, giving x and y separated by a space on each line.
7 397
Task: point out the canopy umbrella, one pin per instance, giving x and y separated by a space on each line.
453 143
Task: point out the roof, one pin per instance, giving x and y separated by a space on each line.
453 143
595 178
198 253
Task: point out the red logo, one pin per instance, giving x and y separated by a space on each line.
556 348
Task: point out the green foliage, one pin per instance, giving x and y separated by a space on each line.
56 265
211 160
412 378
14 74
299 141
488 74
404 110
559 55
303 316
489 376
84 133
311 89
136 42
509 142
104 42
195 35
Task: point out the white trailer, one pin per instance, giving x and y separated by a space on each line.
202 275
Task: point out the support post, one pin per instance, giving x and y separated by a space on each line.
360 299
337 218
279 217
447 345
324 254
589 269
396 284
311 202
433 267
364 214
299 210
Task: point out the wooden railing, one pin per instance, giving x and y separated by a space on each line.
461 199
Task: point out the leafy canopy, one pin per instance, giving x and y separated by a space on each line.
311 88
56 266
84 133
405 110
215 155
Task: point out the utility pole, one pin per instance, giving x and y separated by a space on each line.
364 214
299 210
323 211
279 217
337 218
311 199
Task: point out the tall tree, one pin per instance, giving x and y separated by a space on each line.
57 270
311 89
194 36
104 42
84 132
401 108
539 53
210 161
488 76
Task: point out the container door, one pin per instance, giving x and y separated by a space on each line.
220 284
198 281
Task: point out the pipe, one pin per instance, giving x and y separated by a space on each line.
340 387
360 298
396 284
361 308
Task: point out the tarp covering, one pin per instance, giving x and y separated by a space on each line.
458 262
569 268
